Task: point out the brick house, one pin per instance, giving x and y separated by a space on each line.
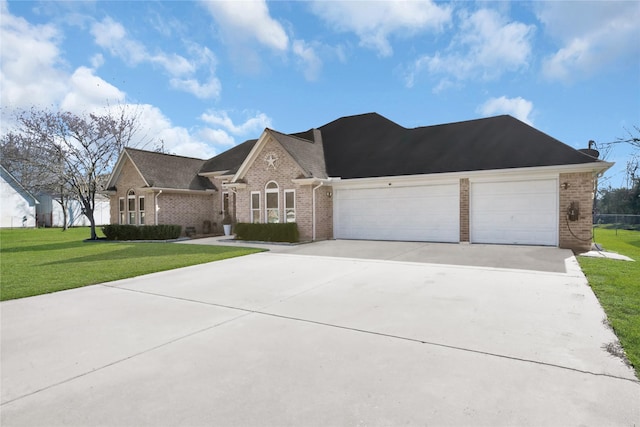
493 180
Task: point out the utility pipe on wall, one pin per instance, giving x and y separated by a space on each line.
313 210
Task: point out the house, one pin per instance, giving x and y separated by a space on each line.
17 205
491 180
50 214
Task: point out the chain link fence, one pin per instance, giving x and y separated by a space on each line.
617 220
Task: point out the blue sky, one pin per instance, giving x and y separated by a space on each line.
205 76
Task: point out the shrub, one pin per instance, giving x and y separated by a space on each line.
268 232
143 232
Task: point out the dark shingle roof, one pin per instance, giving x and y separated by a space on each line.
307 152
169 171
230 160
370 145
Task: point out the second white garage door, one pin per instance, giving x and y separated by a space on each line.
425 213
520 212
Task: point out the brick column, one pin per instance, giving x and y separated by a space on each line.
576 188
464 210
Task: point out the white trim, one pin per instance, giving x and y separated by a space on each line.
233 185
142 213
252 208
488 175
253 155
314 181
122 216
268 191
216 174
290 208
178 190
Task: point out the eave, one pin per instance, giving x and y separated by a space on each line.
540 172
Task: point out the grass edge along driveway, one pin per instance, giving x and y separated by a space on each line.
39 261
617 286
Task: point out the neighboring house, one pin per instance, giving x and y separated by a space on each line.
493 180
17 205
50 213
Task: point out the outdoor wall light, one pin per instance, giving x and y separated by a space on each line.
565 185
329 194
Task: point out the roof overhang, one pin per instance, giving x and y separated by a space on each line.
233 185
314 181
216 174
518 174
178 190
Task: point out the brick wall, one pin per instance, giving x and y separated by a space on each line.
187 210
286 169
577 188
464 209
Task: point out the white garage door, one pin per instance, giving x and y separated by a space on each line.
523 212
424 213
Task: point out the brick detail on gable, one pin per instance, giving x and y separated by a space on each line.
464 210
576 235
286 169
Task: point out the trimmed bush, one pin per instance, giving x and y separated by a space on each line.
268 232
142 232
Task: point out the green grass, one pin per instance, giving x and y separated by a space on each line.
617 286
39 261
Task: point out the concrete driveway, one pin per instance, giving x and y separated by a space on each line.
283 339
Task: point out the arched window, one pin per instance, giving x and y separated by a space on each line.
131 206
272 202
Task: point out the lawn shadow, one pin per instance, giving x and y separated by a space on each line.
39 247
152 250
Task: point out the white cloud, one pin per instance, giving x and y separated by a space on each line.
217 137
487 46
374 22
222 131
308 60
31 69
517 107
32 72
251 126
605 33
248 19
112 36
210 89
88 92
156 127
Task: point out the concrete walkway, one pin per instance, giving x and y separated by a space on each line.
281 339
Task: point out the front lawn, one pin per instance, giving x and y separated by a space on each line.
39 261
617 286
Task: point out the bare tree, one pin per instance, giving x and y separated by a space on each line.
78 150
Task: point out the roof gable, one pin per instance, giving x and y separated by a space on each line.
308 154
160 170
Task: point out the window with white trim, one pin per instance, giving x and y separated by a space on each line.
255 207
121 215
289 205
141 210
272 202
131 207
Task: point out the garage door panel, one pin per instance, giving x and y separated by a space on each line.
520 212
426 213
